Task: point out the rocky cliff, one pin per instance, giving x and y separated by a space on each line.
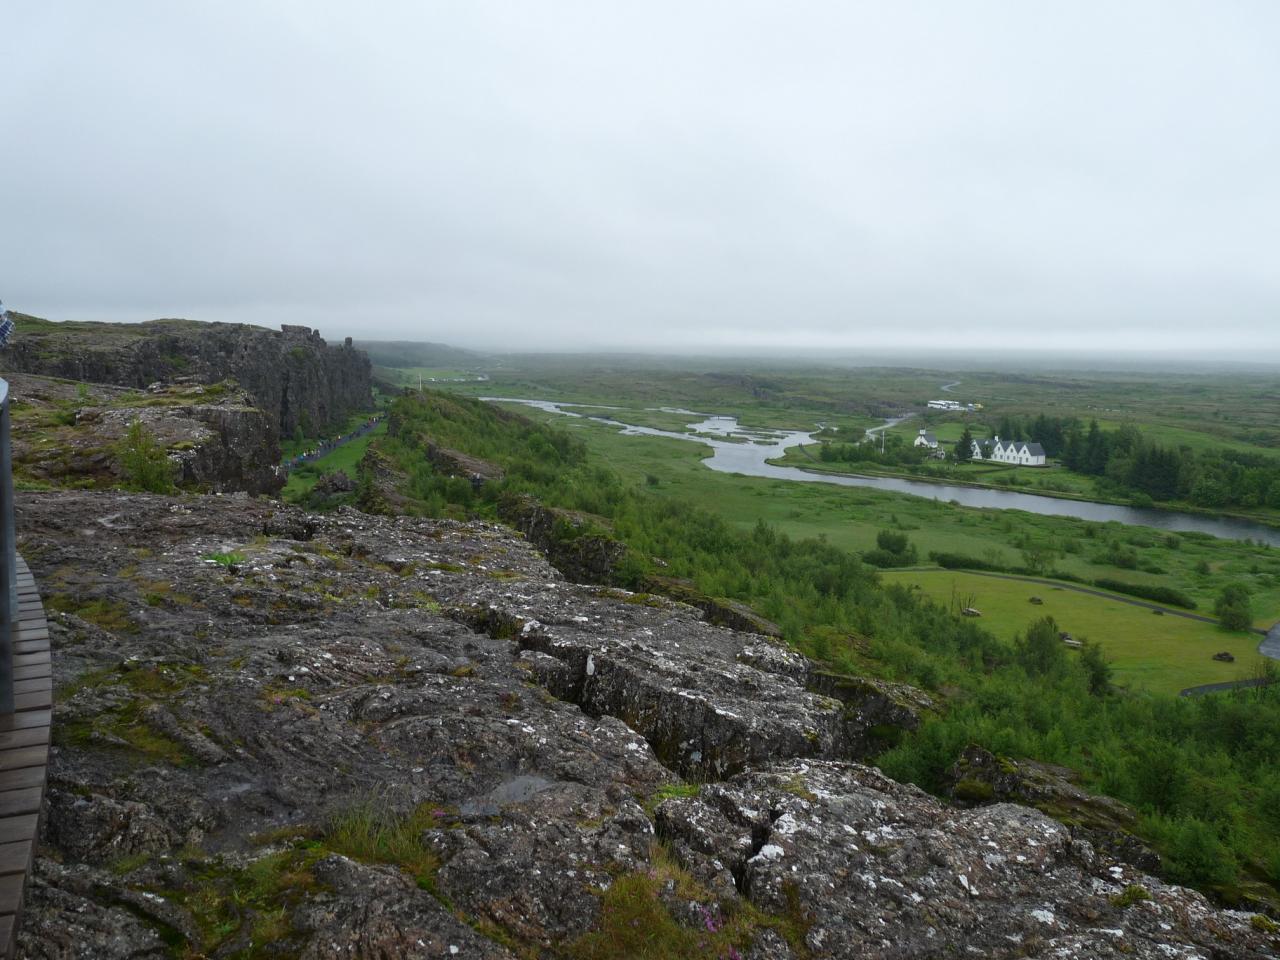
292 374
212 436
323 736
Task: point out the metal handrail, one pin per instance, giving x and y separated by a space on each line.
8 559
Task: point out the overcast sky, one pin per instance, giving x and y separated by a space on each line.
714 175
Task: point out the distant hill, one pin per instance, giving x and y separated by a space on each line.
411 353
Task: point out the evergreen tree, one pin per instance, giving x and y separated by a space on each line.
1073 448
1095 451
964 446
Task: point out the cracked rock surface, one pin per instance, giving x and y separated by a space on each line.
238 682
883 870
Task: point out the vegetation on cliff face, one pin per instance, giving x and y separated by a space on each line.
205 437
291 373
1200 772
143 460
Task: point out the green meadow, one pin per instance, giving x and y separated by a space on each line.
344 458
850 518
1162 654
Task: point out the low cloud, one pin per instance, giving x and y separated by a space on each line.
669 175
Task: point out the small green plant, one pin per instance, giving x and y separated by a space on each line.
1264 924
374 834
670 791
1133 893
229 559
143 461
637 920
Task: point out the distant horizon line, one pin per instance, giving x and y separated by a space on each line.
904 355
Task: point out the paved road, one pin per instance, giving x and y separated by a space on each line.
1201 690
946 387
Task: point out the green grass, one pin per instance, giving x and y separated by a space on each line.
851 517
373 834
291 447
1051 480
1162 654
344 458
408 376
637 921
228 559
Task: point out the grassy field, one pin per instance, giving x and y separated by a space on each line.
290 447
344 458
1050 481
1163 654
1239 411
851 517
409 376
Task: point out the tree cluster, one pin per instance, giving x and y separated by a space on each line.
1206 478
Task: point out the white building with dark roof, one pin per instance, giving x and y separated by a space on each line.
926 439
1018 452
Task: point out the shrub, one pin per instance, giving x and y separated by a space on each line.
960 561
892 550
1133 893
1233 608
1147 592
228 560
892 541
973 791
143 461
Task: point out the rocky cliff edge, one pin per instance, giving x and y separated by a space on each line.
284 735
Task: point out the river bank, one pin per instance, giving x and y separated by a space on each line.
758 459
1191 509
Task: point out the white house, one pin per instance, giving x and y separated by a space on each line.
926 439
1018 452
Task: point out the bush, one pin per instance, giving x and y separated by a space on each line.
884 559
892 541
1147 591
892 550
960 561
973 791
144 463
1233 607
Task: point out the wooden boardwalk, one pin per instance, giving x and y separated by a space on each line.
24 754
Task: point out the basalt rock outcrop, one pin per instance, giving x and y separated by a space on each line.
581 545
883 870
214 438
291 373
980 776
329 736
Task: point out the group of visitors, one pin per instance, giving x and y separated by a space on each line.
326 447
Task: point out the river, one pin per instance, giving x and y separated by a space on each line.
739 450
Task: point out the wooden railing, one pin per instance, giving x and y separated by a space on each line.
26 704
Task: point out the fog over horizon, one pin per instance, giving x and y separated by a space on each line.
743 177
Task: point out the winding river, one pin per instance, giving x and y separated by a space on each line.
739 450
